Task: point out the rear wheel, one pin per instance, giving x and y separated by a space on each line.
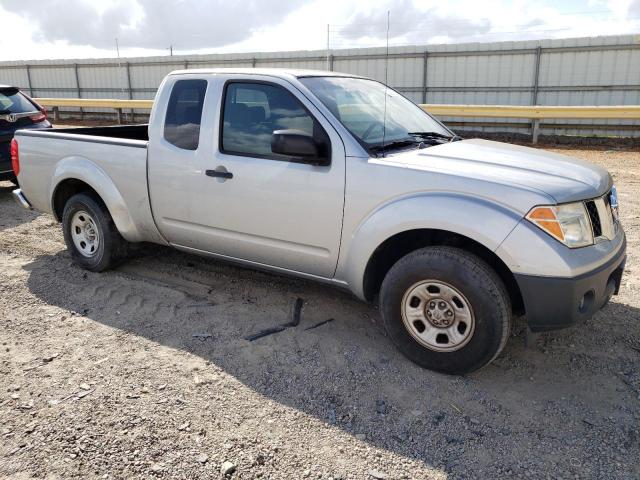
445 309
91 235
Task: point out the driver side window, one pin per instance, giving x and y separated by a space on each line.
253 111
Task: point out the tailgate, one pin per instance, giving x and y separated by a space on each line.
7 132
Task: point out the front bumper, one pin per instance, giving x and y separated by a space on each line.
552 303
21 200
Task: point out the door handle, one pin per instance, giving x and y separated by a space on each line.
219 173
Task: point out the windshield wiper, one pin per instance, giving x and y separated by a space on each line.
428 135
396 144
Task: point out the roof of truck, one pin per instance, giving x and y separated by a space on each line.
273 72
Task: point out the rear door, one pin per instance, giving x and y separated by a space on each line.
269 209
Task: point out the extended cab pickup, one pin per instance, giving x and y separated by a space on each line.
341 179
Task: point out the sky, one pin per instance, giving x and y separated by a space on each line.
51 29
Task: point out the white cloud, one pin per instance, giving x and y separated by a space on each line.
84 28
634 9
149 23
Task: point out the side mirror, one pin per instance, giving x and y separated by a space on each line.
296 143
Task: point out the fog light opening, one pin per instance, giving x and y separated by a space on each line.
586 302
610 290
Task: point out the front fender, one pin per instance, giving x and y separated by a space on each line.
80 168
485 222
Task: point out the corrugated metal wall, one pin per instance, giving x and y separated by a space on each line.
583 71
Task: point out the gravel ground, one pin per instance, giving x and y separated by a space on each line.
145 372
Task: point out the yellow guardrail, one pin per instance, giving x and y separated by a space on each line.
490 111
94 103
534 113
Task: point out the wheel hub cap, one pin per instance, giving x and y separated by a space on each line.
438 316
84 233
440 313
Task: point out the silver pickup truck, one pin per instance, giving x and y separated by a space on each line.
342 180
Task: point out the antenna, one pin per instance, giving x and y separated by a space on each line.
386 78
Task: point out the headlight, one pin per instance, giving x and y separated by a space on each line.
613 202
569 223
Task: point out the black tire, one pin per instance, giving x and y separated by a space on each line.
111 250
479 285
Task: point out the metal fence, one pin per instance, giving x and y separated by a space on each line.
585 71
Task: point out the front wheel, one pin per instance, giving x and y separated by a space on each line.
445 309
91 235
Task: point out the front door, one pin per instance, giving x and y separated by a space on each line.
248 203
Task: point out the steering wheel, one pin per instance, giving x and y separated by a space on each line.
371 128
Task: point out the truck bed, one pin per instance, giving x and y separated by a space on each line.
131 132
127 135
111 160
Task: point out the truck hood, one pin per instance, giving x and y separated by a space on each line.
563 178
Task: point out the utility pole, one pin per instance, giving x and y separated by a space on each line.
117 48
171 50
328 51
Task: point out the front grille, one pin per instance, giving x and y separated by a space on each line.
592 210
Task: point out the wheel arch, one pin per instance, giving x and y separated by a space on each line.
67 189
401 244
473 223
76 175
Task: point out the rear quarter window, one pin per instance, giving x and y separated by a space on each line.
184 113
12 101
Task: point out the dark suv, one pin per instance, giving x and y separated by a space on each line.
17 111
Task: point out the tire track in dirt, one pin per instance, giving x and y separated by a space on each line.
161 343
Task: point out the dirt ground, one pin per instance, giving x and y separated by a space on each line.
145 372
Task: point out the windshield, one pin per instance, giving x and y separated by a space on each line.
360 105
12 101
